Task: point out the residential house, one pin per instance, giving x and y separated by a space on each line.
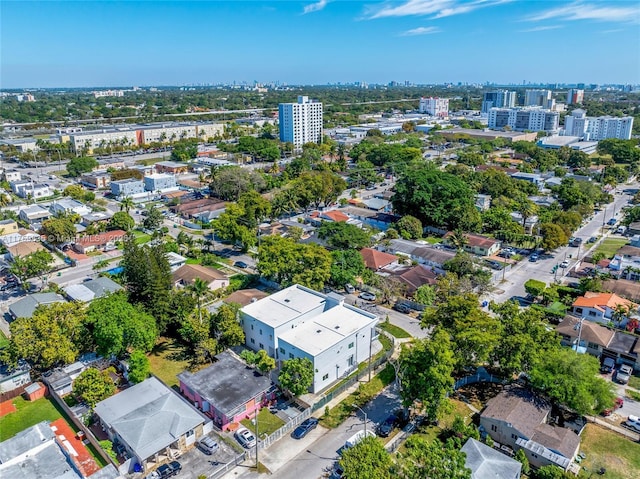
7 227
96 180
188 273
529 223
316 218
228 391
377 204
375 219
69 206
160 182
90 290
172 167
175 260
34 215
99 217
24 248
599 341
11 175
534 178
298 322
634 228
14 377
44 453
602 307
410 278
483 202
422 253
101 241
30 189
21 235
245 296
60 380
626 288
476 244
190 209
128 187
487 463
376 260
25 307
151 422
518 418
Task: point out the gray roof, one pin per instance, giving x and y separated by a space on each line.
26 306
376 203
94 289
519 407
148 416
226 384
487 463
47 462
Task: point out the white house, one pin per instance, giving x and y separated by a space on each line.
69 205
298 322
600 307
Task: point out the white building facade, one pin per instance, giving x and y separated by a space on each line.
435 106
598 128
538 98
300 122
298 322
524 119
498 99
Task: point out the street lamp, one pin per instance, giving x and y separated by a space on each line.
365 418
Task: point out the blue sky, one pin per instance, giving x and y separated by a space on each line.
126 43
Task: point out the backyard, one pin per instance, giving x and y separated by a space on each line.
609 246
267 423
603 448
27 414
167 360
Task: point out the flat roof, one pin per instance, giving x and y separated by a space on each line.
327 329
285 305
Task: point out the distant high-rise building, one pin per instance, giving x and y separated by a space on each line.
435 106
300 122
575 97
598 128
539 98
498 99
522 119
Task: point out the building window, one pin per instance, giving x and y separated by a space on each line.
261 331
290 356
253 341
592 313
252 327
350 345
579 310
350 361
282 350
325 377
271 336
189 433
514 437
261 346
494 428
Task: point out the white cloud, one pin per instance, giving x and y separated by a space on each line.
434 8
420 31
615 30
541 28
315 7
589 11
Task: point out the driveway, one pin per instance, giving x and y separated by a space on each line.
196 463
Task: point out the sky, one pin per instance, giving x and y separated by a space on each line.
140 43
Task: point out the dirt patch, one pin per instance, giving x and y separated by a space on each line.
7 407
478 394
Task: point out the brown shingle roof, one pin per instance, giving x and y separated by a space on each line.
477 241
188 273
415 277
591 332
628 250
623 287
245 296
25 248
560 439
374 259
520 407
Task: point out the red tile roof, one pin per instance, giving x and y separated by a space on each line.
374 259
336 216
477 241
601 300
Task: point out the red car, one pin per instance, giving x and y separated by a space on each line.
618 403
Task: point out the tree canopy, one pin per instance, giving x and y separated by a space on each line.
81 164
366 460
296 375
92 386
343 235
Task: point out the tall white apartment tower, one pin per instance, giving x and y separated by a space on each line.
300 122
498 99
435 106
538 98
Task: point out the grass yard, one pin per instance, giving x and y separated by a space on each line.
4 341
268 423
394 330
29 413
634 381
141 238
609 246
432 240
168 360
617 454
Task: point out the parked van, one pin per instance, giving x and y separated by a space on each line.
621 230
357 437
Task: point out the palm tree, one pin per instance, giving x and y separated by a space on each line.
527 209
619 313
199 288
126 204
459 240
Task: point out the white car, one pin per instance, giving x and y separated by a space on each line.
245 438
633 422
367 296
624 374
564 264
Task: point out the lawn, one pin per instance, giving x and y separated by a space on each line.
168 360
609 246
394 330
617 454
634 381
267 423
4 341
29 413
432 240
141 238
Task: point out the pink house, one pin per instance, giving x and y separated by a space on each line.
228 390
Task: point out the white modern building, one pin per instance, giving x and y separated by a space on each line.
575 96
435 106
300 122
129 187
298 322
592 128
524 119
160 182
541 98
498 99
69 205
29 189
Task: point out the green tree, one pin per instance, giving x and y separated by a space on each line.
200 289
553 236
366 460
296 375
76 192
425 295
264 363
226 326
347 265
521 457
32 265
126 204
81 164
153 219
425 459
121 220
550 472
92 386
139 367
54 335
572 379
119 326
409 227
287 262
58 230
230 182
250 357
341 235
426 372
534 287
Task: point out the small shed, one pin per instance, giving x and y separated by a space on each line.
35 391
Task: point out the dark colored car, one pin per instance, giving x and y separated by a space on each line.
402 308
306 426
385 428
168 470
240 264
593 239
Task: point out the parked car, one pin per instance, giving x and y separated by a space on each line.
402 308
534 257
168 470
564 264
624 374
245 438
370 187
306 426
367 296
607 365
632 422
208 445
349 288
357 437
386 427
612 222
618 403
593 239
241 264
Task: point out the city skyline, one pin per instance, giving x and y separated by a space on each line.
101 44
